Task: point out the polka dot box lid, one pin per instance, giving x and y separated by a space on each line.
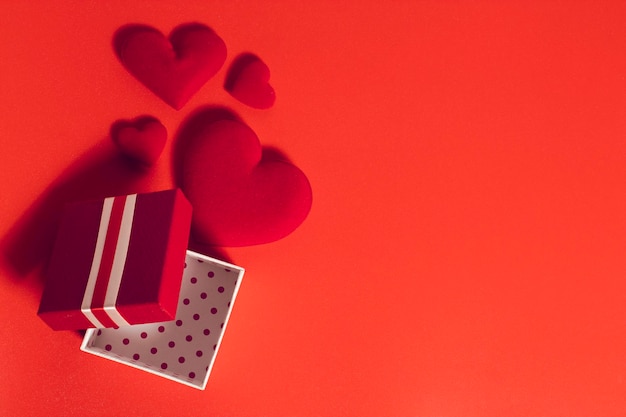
182 350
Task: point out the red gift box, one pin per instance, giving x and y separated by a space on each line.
117 261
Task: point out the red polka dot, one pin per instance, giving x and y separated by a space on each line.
144 335
194 280
161 329
196 316
108 347
214 347
213 310
126 341
189 338
136 356
179 323
171 344
226 269
198 353
203 295
229 304
222 326
220 289
200 260
207 332
153 351
99 332
185 264
186 301
181 359
192 375
164 365
211 274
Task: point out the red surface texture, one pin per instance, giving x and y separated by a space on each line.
464 251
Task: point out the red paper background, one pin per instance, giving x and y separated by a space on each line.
465 251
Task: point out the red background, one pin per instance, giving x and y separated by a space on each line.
464 255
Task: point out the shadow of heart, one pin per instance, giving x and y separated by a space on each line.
100 172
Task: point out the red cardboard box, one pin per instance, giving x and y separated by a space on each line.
117 262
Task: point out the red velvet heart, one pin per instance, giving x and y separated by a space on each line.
173 69
141 139
248 81
241 194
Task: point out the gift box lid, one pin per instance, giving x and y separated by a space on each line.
183 350
117 261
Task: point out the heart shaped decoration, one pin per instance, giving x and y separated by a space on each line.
173 69
141 139
248 82
241 194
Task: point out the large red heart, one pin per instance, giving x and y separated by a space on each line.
173 69
248 81
240 194
141 139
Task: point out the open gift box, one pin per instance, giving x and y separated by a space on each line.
182 350
117 261
120 268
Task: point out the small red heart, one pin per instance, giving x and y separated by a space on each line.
248 81
141 139
241 194
173 69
